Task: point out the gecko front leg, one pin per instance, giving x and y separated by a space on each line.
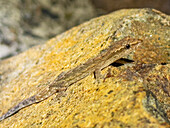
98 75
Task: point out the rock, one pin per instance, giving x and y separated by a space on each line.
135 95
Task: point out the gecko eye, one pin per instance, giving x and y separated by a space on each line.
127 46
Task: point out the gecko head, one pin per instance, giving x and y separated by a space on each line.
120 48
125 46
131 43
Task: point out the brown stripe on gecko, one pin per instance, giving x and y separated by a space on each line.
106 57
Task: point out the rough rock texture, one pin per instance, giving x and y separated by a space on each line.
135 95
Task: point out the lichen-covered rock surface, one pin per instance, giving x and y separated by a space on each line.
137 94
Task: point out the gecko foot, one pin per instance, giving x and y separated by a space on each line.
108 74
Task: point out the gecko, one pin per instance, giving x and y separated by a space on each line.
114 52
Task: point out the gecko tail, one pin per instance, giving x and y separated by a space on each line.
22 104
